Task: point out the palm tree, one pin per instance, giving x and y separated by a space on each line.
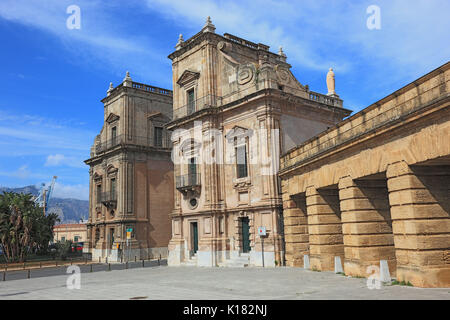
23 227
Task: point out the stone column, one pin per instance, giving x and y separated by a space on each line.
366 225
325 228
295 230
420 209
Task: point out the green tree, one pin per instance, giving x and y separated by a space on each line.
23 227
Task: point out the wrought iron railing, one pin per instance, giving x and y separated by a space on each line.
132 140
188 180
199 104
108 196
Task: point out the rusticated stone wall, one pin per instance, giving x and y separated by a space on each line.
390 166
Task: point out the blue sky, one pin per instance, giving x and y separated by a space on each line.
53 78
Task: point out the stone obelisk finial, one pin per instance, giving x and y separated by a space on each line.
282 55
110 89
180 42
127 81
209 27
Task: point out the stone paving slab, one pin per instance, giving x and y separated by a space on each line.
193 283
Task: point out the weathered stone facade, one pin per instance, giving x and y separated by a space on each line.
376 187
131 175
236 106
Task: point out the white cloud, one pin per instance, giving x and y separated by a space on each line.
43 136
318 34
100 43
23 172
77 191
54 160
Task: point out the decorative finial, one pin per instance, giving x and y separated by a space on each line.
331 83
111 88
282 54
209 27
180 42
127 80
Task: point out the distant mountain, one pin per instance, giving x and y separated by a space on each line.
68 210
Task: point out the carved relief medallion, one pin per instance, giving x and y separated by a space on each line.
245 74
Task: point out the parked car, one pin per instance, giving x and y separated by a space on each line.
77 247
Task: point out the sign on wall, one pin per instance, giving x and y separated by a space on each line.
262 231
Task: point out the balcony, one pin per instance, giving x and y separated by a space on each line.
125 140
188 181
197 105
109 199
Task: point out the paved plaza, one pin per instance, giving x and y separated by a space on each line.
162 282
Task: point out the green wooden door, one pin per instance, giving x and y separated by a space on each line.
245 235
195 237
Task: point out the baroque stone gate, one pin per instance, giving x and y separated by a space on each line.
376 187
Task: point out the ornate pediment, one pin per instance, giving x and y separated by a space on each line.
112 117
97 176
187 77
284 76
158 116
239 133
111 171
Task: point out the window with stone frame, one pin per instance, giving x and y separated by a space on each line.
113 136
97 235
241 159
158 136
98 194
190 101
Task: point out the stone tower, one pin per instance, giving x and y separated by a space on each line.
131 175
236 108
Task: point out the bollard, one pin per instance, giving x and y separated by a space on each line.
135 258
29 274
159 262
109 266
4 275
98 259
91 268
142 263
106 260
306 264
338 265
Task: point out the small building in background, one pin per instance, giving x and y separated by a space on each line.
75 232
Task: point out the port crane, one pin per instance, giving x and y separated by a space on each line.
45 194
